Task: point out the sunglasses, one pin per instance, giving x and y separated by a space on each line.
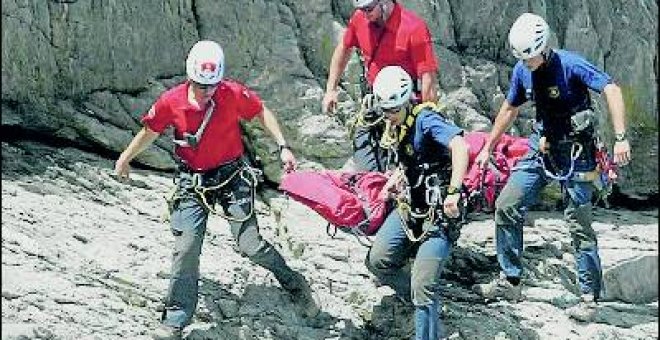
521 55
369 8
394 111
204 87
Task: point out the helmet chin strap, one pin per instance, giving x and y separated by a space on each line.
408 107
546 56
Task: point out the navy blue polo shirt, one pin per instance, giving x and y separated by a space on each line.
567 73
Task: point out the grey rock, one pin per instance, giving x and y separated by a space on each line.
634 280
25 331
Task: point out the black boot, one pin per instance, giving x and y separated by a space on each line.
301 295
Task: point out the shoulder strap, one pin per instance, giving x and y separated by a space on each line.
198 135
378 43
410 119
365 68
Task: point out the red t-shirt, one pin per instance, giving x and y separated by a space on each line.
406 42
221 141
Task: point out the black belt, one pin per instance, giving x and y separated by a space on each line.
183 167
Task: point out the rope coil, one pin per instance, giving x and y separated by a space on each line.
248 174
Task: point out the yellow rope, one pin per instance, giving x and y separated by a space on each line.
405 210
170 198
358 119
173 196
389 139
202 190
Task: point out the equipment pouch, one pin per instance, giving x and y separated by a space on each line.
584 123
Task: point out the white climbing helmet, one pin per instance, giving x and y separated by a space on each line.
362 3
528 36
205 63
392 87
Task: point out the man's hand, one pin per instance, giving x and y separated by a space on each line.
622 153
288 160
450 205
330 100
544 146
122 168
143 138
393 185
483 158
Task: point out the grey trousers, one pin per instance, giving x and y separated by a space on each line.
188 223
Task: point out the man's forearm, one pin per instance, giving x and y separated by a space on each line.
337 65
616 106
505 117
459 161
140 142
429 87
269 121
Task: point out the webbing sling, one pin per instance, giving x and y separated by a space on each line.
191 140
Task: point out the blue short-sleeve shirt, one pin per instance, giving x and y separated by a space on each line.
431 136
566 77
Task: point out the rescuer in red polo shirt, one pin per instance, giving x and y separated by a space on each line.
205 112
386 34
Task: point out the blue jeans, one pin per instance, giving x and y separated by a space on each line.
388 255
520 192
188 222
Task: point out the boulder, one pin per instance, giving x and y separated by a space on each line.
634 280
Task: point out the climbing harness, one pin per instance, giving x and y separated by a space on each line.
206 194
434 217
392 136
244 172
434 188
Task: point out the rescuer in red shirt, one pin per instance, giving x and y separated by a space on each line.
205 112
386 34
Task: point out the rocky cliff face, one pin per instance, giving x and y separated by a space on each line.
81 73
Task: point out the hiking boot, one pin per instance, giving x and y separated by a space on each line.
500 288
301 294
585 310
165 332
304 299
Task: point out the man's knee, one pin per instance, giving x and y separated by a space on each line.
250 243
583 237
425 280
508 205
187 249
582 215
378 261
582 233
374 262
